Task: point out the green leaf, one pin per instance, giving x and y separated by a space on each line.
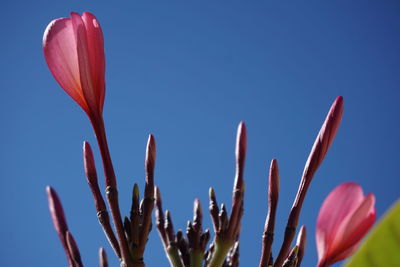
382 246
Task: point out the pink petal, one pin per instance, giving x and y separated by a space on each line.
95 43
84 63
59 45
356 227
336 211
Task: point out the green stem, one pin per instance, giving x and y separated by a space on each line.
220 250
174 258
196 258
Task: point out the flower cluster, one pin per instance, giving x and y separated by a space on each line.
74 51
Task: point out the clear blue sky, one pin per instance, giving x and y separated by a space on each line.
188 72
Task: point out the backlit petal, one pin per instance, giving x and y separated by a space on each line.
95 45
84 63
336 209
59 45
355 228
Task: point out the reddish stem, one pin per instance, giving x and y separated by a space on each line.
111 189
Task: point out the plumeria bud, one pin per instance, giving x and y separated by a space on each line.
56 211
241 142
204 238
169 227
102 213
148 200
74 51
273 196
91 177
223 219
135 216
150 161
301 243
291 260
58 218
197 215
238 188
273 183
320 148
159 214
88 162
103 258
214 210
346 215
322 142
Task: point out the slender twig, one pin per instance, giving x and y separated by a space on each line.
317 154
227 228
238 189
197 240
73 250
148 201
166 230
273 196
112 192
102 213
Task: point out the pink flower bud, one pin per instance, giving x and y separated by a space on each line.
344 218
74 51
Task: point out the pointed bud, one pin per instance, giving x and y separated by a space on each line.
91 177
301 243
136 192
317 154
269 227
58 219
150 161
323 141
213 208
56 211
273 185
190 233
291 260
238 188
88 162
159 216
127 228
223 219
135 202
147 204
204 238
241 143
169 227
103 258
197 215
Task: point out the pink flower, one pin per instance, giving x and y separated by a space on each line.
74 51
344 218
